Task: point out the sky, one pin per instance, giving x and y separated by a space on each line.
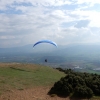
65 22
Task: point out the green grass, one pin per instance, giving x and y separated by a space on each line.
21 76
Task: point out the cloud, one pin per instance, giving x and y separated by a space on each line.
88 1
82 23
78 35
63 21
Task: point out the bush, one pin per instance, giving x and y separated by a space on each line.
81 85
61 88
83 92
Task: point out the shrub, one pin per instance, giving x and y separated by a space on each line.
83 92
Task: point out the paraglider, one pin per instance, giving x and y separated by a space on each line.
45 60
45 41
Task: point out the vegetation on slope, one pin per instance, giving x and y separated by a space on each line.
21 76
77 84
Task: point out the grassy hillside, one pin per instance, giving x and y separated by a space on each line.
21 76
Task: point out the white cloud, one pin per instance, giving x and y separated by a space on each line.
4 3
26 21
88 2
75 35
93 16
50 2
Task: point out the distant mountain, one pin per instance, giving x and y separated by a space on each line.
56 55
60 50
22 49
29 49
79 49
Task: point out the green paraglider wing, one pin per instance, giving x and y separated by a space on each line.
45 41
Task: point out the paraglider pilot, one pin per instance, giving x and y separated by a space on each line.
45 60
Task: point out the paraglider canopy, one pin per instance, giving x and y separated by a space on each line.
45 41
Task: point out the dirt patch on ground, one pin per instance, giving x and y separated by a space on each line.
19 65
37 93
